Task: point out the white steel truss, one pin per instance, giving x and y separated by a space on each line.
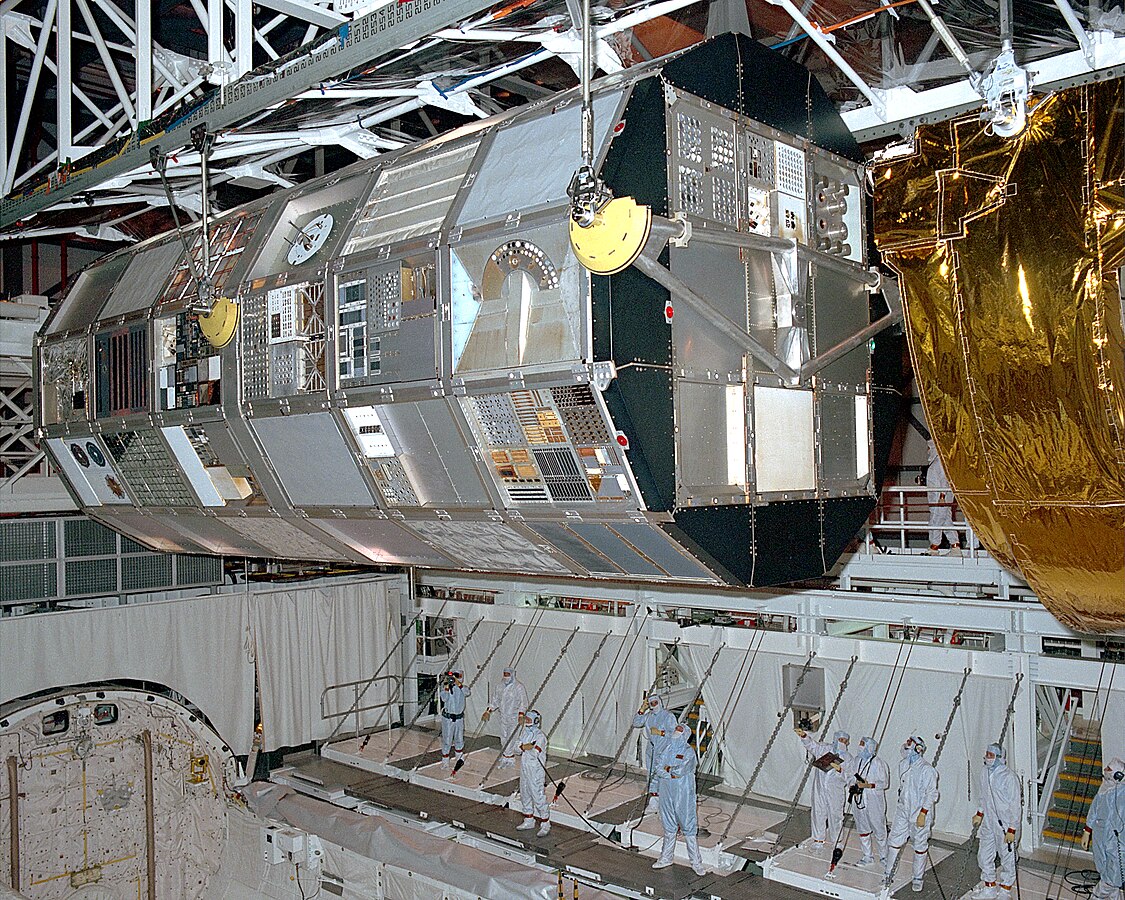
143 81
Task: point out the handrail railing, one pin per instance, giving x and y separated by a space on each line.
1047 780
358 688
903 512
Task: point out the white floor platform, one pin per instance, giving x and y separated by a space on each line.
751 828
806 868
1031 884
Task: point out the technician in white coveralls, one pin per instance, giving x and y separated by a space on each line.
998 816
658 724
940 497
829 787
868 795
510 699
1105 828
675 770
914 816
533 772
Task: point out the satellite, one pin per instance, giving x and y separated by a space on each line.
425 359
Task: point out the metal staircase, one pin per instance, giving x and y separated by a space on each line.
1079 776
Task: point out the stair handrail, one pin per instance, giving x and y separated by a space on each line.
1048 782
1066 710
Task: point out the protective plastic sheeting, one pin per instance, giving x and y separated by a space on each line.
444 861
196 647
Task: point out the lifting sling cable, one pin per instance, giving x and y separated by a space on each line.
531 702
569 700
702 681
883 708
424 704
809 766
517 655
525 638
898 687
890 681
390 655
483 668
741 678
628 734
769 745
413 658
941 746
604 693
683 716
969 855
953 714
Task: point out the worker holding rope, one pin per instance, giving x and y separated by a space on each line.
998 818
830 784
675 772
867 796
533 773
658 724
914 815
1105 828
510 699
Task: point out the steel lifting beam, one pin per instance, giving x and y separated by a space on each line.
352 45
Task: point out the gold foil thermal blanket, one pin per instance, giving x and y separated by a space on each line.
1009 252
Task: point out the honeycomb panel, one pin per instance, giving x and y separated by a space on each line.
148 469
581 415
255 353
791 170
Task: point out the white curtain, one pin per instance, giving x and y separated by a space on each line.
311 642
603 706
198 647
922 707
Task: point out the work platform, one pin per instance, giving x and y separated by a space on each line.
806 867
589 802
591 858
601 832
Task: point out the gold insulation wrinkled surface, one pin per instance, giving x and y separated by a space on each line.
1009 253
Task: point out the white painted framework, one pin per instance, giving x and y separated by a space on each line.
819 620
148 79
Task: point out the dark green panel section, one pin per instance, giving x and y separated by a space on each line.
640 402
742 75
637 163
889 401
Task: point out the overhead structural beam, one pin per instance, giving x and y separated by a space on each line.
368 37
874 97
307 12
143 111
947 38
1077 30
64 123
906 108
28 98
